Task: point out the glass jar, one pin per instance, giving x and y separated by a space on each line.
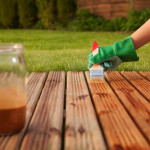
12 88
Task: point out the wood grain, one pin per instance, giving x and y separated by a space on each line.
82 129
125 120
119 129
145 74
34 87
141 84
44 131
135 103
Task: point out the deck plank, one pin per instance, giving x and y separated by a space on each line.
119 129
34 87
44 131
145 74
136 105
82 129
141 84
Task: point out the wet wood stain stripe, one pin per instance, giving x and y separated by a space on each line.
44 131
82 130
145 74
119 129
13 142
141 84
136 105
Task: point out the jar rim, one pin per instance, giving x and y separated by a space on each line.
6 47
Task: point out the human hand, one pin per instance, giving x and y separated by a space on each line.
122 51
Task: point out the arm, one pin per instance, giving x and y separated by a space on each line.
141 36
122 51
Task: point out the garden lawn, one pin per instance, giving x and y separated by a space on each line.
57 50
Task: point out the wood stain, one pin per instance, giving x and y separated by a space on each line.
12 110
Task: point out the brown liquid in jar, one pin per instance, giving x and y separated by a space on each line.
12 110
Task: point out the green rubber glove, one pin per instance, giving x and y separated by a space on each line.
122 51
105 65
89 62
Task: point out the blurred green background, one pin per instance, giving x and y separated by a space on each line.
59 36
58 50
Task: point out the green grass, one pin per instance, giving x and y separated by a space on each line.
55 50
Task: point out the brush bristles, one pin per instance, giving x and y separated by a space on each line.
96 72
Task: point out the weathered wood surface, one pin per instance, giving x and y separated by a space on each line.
114 115
44 131
145 74
136 105
82 129
35 84
141 84
119 129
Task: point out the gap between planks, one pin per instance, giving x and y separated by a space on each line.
119 128
135 104
7 140
45 129
140 83
145 74
82 128
34 87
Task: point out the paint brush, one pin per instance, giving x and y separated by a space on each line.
96 70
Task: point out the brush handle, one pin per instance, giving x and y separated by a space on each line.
95 50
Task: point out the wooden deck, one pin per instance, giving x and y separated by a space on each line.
75 112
